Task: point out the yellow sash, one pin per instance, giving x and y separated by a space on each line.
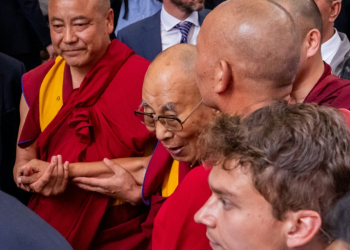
51 93
171 180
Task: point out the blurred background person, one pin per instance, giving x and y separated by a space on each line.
24 31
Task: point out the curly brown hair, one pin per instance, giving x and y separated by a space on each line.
298 155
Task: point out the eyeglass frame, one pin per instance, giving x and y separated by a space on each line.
156 118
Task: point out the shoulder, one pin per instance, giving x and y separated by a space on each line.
9 64
31 81
134 29
137 64
25 229
203 13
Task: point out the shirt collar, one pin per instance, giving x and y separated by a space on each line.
168 21
331 46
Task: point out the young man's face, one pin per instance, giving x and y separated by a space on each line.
237 216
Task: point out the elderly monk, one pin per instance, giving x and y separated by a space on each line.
244 74
66 110
314 81
171 108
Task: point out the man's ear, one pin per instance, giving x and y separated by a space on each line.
110 21
313 42
335 10
223 77
302 227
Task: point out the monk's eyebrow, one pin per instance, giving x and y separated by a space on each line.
56 19
170 106
73 19
144 104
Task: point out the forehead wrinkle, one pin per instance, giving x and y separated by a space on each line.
80 18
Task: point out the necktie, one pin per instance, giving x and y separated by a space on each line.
184 28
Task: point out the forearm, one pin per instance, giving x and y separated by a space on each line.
89 169
135 166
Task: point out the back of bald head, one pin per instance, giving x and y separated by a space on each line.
179 61
305 14
258 37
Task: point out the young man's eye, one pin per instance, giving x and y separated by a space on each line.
226 204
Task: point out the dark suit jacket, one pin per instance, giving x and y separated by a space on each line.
11 72
23 28
144 36
21 228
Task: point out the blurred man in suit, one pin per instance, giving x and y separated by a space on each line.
335 45
11 71
177 22
24 31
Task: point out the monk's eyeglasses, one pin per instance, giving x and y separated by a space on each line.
172 123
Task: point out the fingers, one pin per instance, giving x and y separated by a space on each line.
39 185
92 188
66 174
93 182
113 166
60 170
27 179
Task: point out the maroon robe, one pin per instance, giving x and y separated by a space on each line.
159 165
96 121
174 226
330 90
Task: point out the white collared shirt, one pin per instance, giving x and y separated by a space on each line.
330 48
171 36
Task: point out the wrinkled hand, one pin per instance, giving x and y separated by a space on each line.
52 182
51 51
30 173
121 185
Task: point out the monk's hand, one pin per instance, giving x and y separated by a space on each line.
54 180
30 173
120 185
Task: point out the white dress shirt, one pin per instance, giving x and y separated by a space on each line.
170 35
330 48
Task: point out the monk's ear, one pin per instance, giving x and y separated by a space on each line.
110 21
313 42
223 76
301 228
335 10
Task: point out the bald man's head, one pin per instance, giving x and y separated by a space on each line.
170 93
173 69
305 14
257 37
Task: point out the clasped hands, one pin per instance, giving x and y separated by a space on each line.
46 178
51 178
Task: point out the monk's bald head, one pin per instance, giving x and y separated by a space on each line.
102 6
173 71
305 13
257 37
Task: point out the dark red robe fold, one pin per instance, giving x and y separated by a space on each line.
95 121
330 90
174 226
158 167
